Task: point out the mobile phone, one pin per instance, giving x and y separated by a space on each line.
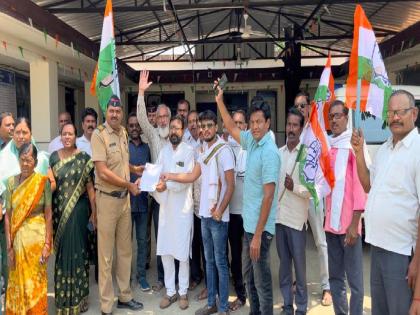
222 83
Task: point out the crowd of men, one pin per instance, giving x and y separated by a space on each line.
230 196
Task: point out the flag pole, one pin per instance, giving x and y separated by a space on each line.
357 113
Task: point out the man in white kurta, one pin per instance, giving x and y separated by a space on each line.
176 215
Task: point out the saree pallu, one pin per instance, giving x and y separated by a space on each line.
27 285
70 220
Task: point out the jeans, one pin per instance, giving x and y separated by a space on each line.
215 235
345 262
390 292
197 253
236 236
291 248
257 276
140 222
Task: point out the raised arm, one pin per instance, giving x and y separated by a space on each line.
144 123
357 142
234 131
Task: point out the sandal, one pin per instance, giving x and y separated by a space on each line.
202 295
158 286
236 305
193 285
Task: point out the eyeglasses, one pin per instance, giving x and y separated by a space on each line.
207 126
301 105
335 116
398 112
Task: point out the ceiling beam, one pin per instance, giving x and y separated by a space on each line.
215 5
213 40
184 37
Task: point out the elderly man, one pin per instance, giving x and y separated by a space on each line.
89 121
216 167
112 183
344 206
157 138
259 200
392 208
64 118
176 215
291 218
316 218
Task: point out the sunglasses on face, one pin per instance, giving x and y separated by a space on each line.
301 105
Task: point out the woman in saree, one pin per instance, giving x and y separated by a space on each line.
28 227
74 192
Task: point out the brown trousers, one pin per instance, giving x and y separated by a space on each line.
114 232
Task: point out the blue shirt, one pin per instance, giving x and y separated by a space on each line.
139 155
262 167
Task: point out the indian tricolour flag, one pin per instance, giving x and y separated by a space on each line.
105 79
315 170
324 94
367 85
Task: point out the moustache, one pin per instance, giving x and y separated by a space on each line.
396 124
91 128
291 134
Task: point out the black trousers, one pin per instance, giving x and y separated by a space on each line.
197 257
235 237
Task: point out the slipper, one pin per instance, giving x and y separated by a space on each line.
202 295
236 305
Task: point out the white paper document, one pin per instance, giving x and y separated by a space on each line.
150 177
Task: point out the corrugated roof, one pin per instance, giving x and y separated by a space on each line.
336 20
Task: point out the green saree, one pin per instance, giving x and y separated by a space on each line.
70 220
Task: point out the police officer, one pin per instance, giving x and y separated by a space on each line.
112 184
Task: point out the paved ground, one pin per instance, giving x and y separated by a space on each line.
151 300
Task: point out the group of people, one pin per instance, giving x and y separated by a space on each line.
218 197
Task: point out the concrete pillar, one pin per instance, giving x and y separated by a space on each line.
44 101
80 106
189 94
92 101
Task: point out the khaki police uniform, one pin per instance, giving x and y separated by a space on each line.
113 214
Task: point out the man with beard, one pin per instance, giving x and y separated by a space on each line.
139 155
176 215
392 209
64 118
316 218
182 110
292 214
89 121
7 126
216 167
157 138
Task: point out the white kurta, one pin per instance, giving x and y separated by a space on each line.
176 204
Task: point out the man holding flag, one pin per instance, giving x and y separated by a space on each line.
344 206
393 208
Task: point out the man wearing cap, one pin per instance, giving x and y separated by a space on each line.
112 183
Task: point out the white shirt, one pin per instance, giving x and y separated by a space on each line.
225 162
55 145
235 205
176 204
392 208
155 142
191 141
187 135
292 209
83 144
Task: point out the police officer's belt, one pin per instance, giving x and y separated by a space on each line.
116 194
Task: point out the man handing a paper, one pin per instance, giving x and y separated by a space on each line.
176 211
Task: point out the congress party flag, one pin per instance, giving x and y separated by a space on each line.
324 95
315 170
368 87
105 79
